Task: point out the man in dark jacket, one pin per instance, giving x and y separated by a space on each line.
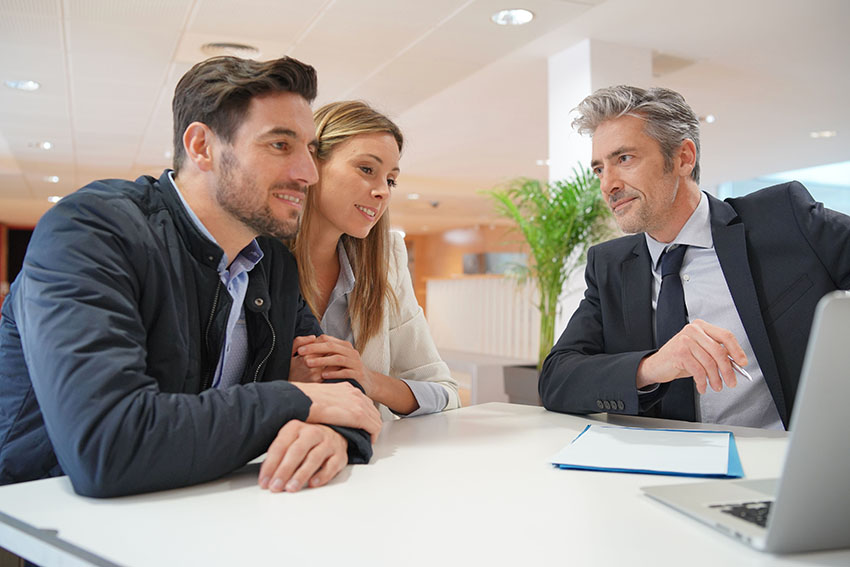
146 343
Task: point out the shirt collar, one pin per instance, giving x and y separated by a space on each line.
345 283
252 253
696 232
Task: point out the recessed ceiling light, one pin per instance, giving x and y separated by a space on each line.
242 50
543 162
823 134
54 198
52 179
41 145
25 85
515 17
708 119
413 196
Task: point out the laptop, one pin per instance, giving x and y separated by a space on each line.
808 507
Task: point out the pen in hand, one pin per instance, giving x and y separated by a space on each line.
740 369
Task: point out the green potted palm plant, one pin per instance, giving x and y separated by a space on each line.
558 221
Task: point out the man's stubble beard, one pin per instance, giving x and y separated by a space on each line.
649 216
241 198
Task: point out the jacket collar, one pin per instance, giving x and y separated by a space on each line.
202 248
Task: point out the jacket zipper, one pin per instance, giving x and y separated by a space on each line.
208 380
271 350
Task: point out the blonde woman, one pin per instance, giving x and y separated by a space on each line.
354 274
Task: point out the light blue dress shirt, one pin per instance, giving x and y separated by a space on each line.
234 351
707 297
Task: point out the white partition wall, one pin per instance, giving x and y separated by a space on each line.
484 314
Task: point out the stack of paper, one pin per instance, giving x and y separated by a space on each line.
682 452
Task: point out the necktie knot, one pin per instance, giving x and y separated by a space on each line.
671 260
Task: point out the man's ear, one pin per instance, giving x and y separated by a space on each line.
198 142
687 156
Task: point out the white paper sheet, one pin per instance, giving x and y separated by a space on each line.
691 452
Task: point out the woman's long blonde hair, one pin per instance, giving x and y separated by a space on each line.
369 257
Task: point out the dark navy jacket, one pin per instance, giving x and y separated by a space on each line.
780 252
109 339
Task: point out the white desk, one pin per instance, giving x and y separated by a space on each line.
468 487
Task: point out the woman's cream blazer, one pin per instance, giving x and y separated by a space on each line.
403 347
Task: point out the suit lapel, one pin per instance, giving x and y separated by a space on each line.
730 245
636 275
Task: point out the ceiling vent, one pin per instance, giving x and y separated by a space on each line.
242 50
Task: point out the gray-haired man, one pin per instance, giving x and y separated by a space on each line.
752 271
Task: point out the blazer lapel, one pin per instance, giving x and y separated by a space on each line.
636 277
730 245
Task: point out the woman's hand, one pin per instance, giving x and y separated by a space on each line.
330 357
299 371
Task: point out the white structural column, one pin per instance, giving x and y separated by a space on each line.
573 74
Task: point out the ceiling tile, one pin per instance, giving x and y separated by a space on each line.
448 53
377 31
45 65
143 13
118 66
276 20
31 7
33 111
20 33
128 39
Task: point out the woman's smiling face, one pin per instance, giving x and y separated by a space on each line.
356 182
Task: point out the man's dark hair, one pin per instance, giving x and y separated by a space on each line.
217 92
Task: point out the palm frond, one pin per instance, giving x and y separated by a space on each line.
559 221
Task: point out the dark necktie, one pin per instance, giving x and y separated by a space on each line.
670 312
670 316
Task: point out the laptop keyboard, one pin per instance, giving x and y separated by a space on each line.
755 512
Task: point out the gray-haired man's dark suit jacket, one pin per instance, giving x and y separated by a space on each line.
780 252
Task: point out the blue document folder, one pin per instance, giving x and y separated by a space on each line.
676 452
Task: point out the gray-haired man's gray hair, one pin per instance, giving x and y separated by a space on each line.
669 120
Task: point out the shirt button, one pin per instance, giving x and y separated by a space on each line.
686 277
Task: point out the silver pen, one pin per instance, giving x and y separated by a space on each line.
740 369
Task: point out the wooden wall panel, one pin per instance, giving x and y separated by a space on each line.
441 255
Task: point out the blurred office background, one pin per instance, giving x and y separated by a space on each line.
87 87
